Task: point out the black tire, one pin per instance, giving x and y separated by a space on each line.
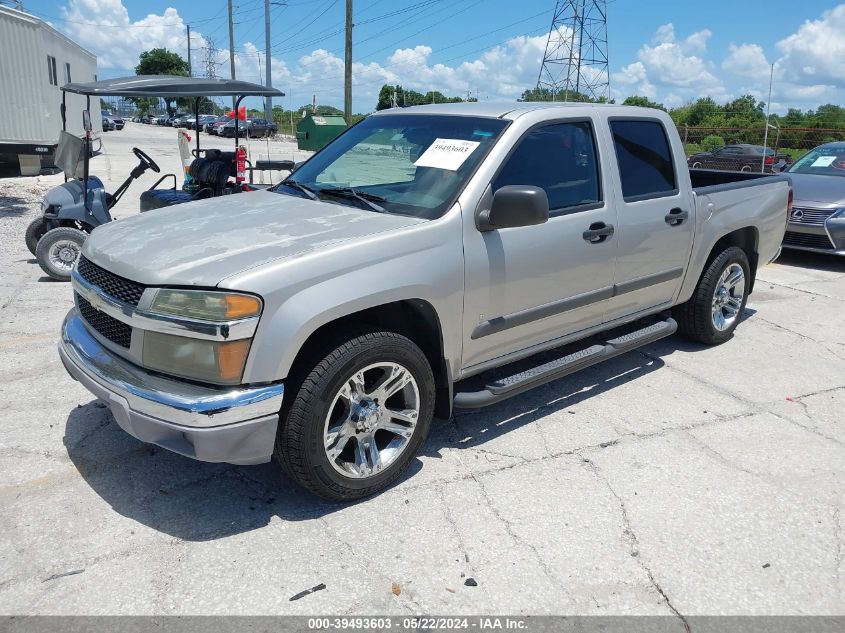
34 232
300 447
65 234
695 317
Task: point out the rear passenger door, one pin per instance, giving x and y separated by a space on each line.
654 217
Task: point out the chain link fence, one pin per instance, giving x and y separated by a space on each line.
787 144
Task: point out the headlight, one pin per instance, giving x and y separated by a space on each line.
205 305
219 362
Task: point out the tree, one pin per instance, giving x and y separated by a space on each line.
160 61
411 97
643 102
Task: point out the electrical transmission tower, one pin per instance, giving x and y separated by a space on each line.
575 61
211 63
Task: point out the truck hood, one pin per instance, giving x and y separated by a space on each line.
809 189
201 243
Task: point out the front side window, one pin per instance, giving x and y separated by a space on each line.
561 160
645 159
408 164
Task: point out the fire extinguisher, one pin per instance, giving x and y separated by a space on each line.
241 158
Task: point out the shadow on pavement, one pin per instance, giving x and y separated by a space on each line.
814 261
197 501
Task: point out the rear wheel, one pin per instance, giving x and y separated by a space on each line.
358 418
713 312
35 232
745 168
58 250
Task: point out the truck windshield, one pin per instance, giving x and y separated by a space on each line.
409 164
827 161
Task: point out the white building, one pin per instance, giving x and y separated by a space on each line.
35 60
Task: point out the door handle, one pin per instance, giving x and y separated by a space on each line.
676 217
598 232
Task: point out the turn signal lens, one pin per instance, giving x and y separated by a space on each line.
205 305
220 362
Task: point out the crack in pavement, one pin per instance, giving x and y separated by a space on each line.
405 599
840 543
758 408
633 540
508 525
805 291
800 335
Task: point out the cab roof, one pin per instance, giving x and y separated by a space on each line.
512 110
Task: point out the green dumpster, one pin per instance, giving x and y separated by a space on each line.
315 131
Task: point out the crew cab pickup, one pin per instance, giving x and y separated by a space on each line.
327 320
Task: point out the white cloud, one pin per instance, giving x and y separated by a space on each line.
116 39
815 53
668 64
746 60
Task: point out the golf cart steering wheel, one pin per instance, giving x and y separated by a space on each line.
146 160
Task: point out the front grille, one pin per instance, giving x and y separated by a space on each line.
108 327
812 217
807 240
121 289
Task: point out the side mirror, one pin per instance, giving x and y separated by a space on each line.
513 206
86 121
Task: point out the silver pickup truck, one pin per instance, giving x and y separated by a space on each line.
327 320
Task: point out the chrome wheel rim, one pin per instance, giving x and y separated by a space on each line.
371 420
63 254
727 299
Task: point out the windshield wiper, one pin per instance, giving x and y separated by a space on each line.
348 192
306 190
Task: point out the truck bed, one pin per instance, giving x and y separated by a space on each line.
706 178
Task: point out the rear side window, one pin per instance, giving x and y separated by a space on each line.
645 159
560 159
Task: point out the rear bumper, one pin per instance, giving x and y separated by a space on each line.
237 426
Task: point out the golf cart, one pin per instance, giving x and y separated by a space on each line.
81 204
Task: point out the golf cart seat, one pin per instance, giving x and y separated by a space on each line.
209 178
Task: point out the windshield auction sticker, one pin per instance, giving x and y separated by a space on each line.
446 153
823 161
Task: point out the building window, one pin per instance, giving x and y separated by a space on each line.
67 73
51 71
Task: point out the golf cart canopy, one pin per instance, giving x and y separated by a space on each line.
171 86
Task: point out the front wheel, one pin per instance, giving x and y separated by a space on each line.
713 312
358 418
34 232
58 250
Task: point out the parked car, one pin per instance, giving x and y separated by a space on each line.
817 221
255 128
119 123
161 120
108 124
740 157
212 122
214 127
422 247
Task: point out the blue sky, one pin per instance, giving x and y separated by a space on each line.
671 51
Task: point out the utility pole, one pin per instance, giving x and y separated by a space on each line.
347 71
190 68
232 51
268 101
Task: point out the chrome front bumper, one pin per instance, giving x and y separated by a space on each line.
234 425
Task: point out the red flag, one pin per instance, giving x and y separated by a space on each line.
241 113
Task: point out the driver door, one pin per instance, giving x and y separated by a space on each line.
529 285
